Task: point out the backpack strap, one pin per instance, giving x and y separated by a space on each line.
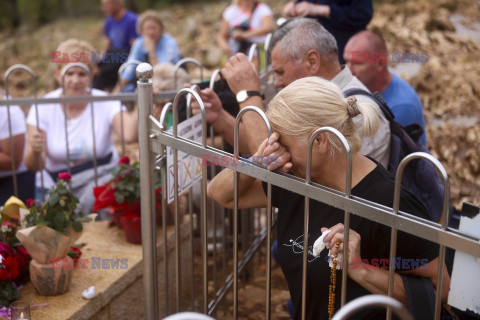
420 296
415 131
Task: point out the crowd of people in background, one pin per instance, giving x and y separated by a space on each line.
314 59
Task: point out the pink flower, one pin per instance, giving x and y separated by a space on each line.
30 202
65 176
124 160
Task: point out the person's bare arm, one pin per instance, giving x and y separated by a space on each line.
130 125
223 123
304 9
6 152
250 190
241 75
289 9
375 279
222 38
265 28
36 146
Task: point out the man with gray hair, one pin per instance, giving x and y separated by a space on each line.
300 48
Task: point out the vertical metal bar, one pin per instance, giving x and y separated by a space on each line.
445 218
190 211
12 153
144 73
251 55
64 72
235 207
120 70
268 39
7 97
163 117
269 253
176 218
182 62
94 144
204 186
215 73
348 185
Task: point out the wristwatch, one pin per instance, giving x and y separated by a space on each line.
243 95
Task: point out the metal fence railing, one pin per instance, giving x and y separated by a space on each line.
158 139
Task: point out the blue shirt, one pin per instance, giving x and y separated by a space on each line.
121 32
347 17
166 51
405 104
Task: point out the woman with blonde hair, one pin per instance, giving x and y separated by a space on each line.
153 46
49 141
244 22
295 113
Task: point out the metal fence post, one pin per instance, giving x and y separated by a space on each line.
348 191
445 218
235 214
144 73
204 191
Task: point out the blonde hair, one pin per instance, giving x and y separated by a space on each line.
163 77
310 103
149 14
82 48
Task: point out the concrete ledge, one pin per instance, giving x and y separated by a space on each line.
119 286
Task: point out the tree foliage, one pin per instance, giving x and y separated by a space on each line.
14 13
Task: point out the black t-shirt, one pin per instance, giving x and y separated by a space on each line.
377 186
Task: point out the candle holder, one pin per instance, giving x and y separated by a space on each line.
20 310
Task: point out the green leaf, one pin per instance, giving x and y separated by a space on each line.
119 198
84 219
77 226
53 200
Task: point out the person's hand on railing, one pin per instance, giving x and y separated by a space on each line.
240 74
37 141
212 103
273 155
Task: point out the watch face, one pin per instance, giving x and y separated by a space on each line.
242 96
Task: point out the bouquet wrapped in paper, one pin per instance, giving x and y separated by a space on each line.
52 228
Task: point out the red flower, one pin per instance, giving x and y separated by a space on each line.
124 160
30 202
65 176
5 250
75 254
10 269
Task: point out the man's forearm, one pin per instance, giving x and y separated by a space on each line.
375 280
225 126
255 128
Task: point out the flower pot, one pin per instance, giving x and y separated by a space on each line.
117 216
53 278
132 224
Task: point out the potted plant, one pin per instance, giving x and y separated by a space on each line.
52 228
122 195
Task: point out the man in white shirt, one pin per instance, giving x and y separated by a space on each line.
300 48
